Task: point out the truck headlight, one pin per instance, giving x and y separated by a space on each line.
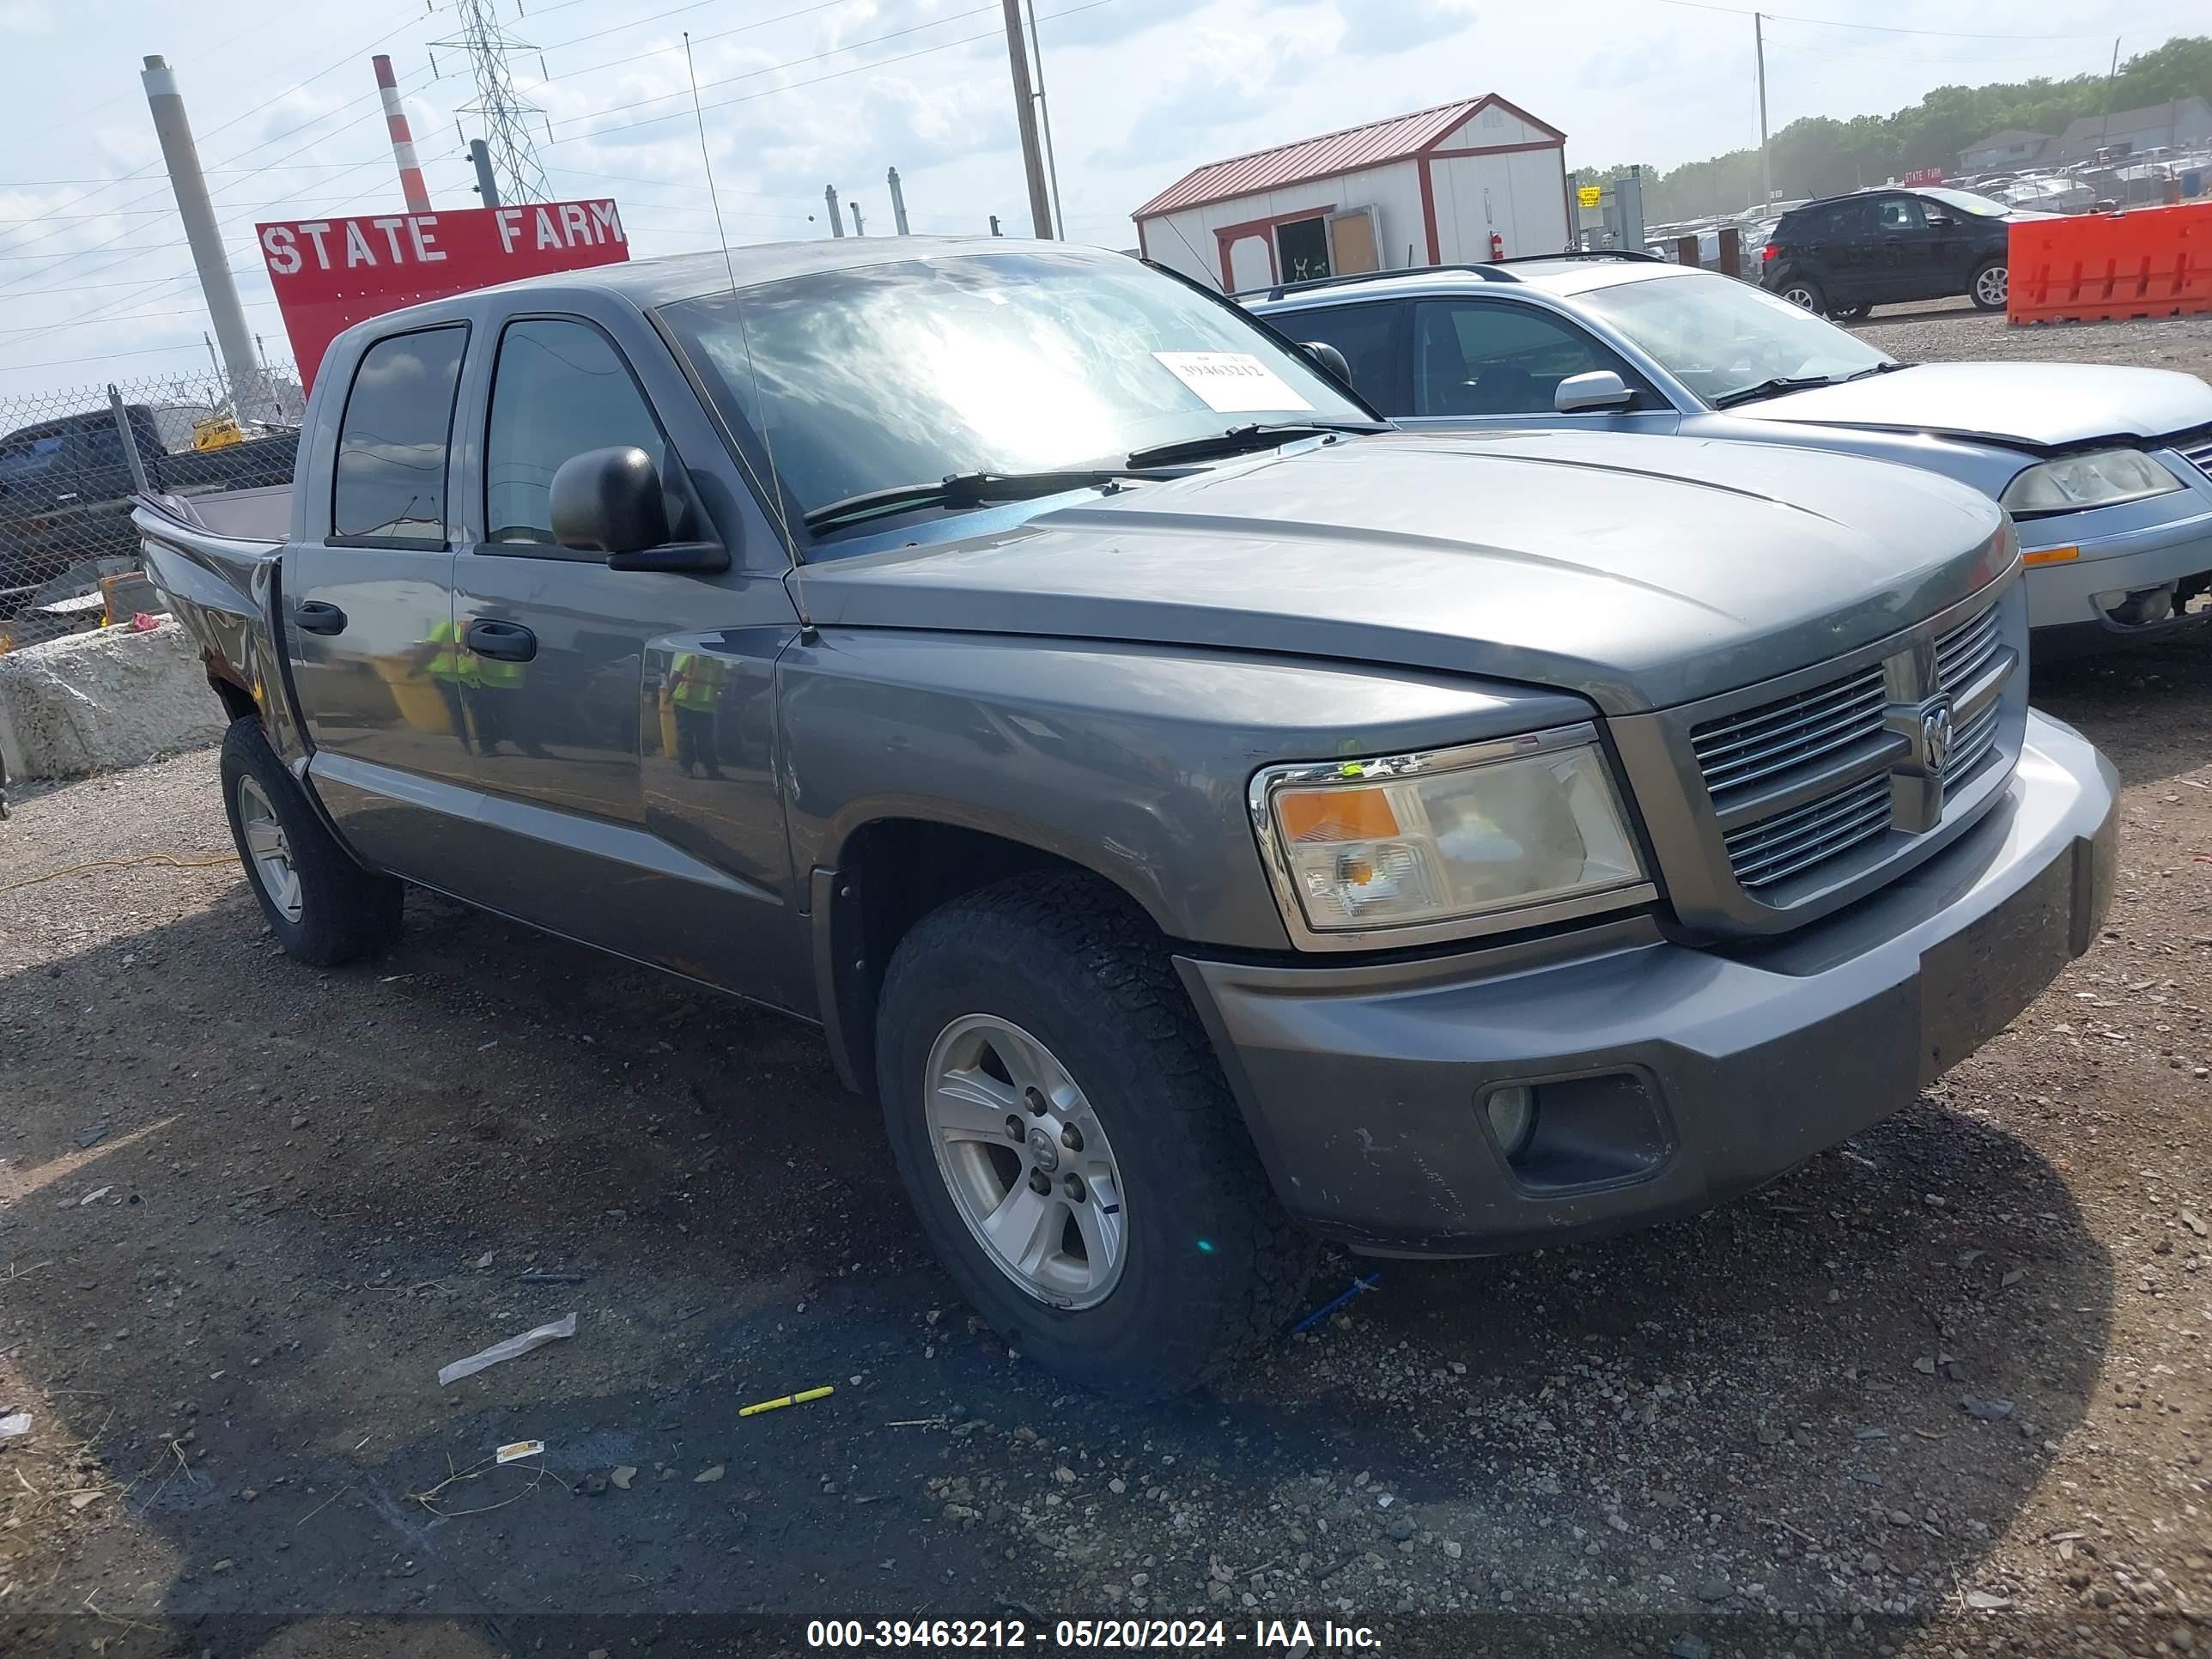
1369 853
2099 477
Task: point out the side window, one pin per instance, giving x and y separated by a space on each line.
1365 335
559 388
1895 215
390 486
1475 359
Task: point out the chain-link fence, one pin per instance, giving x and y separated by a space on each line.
71 460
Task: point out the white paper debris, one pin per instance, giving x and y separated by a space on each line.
515 1451
510 1349
13 1424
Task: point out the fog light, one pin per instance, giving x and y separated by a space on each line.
1512 1118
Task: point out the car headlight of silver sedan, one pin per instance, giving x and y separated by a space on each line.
2097 477
1371 853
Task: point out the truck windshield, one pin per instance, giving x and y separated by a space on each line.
1029 361
1722 338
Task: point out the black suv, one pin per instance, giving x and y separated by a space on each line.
1846 255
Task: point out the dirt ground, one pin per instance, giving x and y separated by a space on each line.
1942 1391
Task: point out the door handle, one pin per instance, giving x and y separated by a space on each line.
502 641
317 616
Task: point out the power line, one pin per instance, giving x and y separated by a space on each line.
1878 29
880 63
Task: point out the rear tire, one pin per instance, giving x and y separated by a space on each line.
1991 288
323 907
1851 315
1803 292
1046 1005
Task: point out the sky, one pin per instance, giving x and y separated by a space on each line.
96 284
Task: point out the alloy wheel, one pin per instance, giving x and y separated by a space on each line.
1993 288
269 854
1026 1161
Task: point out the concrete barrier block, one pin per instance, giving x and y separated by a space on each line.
91 703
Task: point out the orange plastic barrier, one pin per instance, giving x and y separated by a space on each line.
2148 262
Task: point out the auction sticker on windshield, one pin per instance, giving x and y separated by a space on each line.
1231 381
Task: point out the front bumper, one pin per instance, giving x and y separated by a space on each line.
2081 592
1360 1084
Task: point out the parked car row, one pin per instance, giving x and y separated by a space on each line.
2106 472
1204 816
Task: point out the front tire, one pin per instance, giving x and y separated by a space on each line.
1991 287
323 907
1071 1147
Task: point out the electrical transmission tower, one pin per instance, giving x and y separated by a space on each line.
504 112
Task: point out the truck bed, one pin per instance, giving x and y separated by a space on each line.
215 558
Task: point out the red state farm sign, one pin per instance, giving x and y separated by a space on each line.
330 274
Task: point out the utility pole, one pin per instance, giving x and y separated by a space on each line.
487 184
898 201
1766 170
2104 123
858 228
249 394
504 111
837 218
1044 119
1026 116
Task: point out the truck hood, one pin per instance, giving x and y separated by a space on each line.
1638 571
2026 406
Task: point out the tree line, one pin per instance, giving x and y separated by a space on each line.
1817 156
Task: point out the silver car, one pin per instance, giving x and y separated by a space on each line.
2108 471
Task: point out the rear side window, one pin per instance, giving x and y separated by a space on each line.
1366 335
389 488
561 388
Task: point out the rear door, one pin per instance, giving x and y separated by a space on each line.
367 611
623 720
1841 250
1496 364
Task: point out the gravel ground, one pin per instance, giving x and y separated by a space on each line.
1945 331
1942 1391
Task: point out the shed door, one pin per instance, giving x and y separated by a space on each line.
1352 242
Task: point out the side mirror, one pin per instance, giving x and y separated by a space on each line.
1330 359
1598 389
608 501
612 502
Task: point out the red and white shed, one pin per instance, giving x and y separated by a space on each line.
1460 184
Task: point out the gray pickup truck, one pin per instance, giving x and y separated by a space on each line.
1208 820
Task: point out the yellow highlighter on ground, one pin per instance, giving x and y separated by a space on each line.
786 1399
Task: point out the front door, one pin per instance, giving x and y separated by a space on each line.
368 616
1484 363
622 720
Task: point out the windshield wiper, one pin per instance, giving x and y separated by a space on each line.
971 490
1773 388
1239 438
1876 368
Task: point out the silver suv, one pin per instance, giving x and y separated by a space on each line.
2107 470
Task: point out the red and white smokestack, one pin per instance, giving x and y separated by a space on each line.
403 141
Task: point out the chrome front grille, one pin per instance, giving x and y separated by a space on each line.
1962 652
1775 848
1803 780
2201 456
1971 747
1763 741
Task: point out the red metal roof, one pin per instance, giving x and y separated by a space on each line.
1332 153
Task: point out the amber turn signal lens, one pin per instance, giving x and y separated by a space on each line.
1335 814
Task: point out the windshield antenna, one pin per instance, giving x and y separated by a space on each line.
745 338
